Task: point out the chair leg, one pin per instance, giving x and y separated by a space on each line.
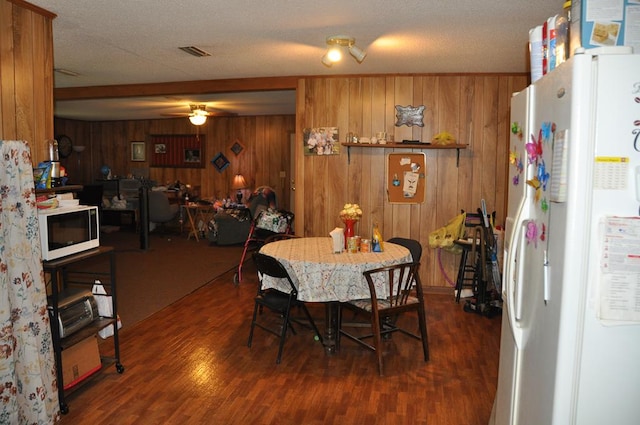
338 328
377 339
283 334
422 322
461 274
311 322
253 323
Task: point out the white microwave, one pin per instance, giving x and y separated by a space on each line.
68 230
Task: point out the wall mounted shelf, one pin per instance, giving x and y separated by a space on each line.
60 189
457 147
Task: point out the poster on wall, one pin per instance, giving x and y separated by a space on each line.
406 177
321 141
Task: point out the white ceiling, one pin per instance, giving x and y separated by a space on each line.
132 42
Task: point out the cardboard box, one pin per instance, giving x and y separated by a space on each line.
80 361
602 23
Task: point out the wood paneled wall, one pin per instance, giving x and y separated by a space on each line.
26 75
473 108
265 139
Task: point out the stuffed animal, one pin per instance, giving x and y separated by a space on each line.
443 138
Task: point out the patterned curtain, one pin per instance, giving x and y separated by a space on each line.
28 387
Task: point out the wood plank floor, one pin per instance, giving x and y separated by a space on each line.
190 364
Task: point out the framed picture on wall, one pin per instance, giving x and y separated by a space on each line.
220 162
321 141
192 155
137 151
237 147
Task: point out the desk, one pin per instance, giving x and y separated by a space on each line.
322 276
196 213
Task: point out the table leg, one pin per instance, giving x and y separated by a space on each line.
331 327
193 231
203 215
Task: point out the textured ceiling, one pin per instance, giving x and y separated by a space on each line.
132 42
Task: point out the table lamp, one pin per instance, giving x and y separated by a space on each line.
239 183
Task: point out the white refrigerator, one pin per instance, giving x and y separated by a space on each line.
570 343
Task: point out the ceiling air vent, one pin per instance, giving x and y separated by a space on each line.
66 72
193 50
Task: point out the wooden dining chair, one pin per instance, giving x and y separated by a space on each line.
403 285
277 301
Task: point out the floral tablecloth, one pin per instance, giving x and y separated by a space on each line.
321 276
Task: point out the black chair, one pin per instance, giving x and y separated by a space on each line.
277 301
412 245
405 295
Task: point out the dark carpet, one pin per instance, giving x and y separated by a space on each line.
170 268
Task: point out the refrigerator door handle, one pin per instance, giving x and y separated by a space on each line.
546 289
516 302
514 271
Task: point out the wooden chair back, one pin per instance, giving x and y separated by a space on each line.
402 283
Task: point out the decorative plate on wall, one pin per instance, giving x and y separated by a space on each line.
409 115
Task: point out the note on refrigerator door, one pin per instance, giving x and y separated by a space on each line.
610 173
618 292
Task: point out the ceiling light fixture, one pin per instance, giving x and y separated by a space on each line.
198 115
334 51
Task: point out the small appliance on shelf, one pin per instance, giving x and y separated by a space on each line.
77 308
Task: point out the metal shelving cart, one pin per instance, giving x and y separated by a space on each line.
81 271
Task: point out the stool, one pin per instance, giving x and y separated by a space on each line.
470 262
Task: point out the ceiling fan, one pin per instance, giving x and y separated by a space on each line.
198 114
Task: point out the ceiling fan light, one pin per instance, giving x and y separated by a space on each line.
197 119
357 53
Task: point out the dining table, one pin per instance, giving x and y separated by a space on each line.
324 276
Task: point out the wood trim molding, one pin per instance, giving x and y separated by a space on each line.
34 8
211 86
439 290
179 87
